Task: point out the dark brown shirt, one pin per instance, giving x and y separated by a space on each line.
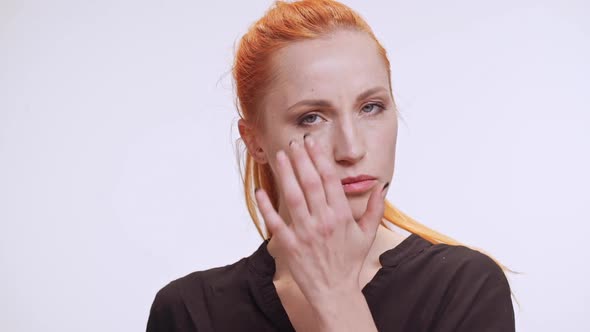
420 287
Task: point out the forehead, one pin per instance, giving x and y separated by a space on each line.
335 67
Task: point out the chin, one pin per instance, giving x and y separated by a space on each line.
358 206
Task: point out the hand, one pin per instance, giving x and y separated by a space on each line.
323 247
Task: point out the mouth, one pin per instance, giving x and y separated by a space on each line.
358 184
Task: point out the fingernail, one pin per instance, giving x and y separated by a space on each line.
383 190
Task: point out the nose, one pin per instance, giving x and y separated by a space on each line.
349 144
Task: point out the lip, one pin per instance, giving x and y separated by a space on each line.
358 184
352 179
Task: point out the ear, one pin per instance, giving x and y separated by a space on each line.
251 138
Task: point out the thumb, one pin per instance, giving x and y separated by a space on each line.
374 213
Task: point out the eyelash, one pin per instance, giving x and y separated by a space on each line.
301 122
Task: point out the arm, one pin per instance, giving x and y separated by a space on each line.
477 299
347 311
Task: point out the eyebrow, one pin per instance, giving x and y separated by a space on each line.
325 103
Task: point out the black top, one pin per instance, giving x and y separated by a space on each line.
420 287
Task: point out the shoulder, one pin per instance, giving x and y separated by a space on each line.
444 270
470 289
199 282
181 300
476 295
463 263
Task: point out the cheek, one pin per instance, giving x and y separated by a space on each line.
382 146
384 138
272 160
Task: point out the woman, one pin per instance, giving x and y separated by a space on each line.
320 124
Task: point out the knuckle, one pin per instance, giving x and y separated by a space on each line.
288 246
326 228
325 225
305 238
328 215
311 182
328 177
294 200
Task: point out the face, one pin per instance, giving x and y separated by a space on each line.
336 89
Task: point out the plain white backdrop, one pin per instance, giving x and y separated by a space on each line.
117 158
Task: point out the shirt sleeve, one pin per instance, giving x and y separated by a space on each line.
168 312
477 298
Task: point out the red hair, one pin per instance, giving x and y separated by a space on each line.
284 23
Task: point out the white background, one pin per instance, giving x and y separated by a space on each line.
118 169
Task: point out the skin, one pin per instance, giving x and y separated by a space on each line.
326 243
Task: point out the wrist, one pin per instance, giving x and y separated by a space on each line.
336 305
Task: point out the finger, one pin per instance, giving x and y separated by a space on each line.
309 178
273 221
374 213
335 196
292 193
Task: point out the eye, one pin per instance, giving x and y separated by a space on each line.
369 108
308 119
